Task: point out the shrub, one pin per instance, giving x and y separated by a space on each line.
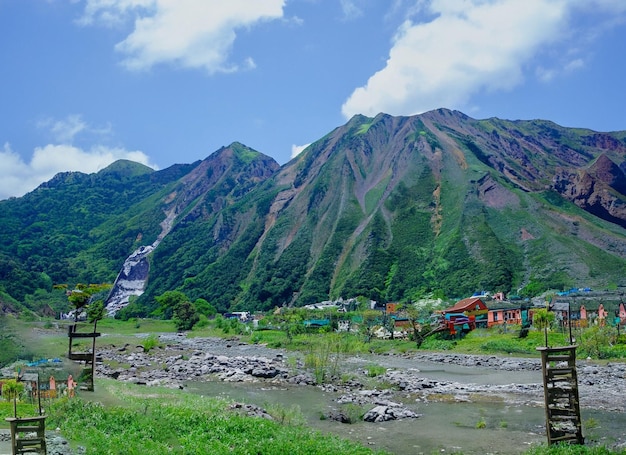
375 370
152 341
12 389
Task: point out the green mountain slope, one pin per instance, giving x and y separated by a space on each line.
392 208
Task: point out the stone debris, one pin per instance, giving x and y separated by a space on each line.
195 359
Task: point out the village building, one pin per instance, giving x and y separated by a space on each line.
579 314
501 312
474 308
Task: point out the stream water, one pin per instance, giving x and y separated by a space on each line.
444 427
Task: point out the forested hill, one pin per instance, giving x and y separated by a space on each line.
392 208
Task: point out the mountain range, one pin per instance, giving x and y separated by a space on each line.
389 208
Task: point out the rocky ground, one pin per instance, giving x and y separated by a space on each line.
180 359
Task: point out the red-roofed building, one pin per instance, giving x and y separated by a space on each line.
469 306
472 307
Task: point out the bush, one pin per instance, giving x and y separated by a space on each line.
152 341
375 370
12 389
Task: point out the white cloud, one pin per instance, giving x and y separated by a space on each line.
469 46
350 9
64 130
113 12
18 176
190 33
463 48
575 64
297 149
545 74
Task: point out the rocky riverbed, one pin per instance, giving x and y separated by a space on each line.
421 378
180 359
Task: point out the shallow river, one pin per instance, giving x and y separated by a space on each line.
442 427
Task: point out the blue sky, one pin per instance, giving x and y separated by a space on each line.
86 82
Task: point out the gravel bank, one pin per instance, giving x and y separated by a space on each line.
183 359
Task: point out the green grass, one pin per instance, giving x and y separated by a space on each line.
373 196
496 340
163 421
133 326
565 449
375 370
23 410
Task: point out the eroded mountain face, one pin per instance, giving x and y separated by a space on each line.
391 208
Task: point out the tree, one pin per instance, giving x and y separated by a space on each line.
412 314
542 319
371 318
185 315
167 302
81 296
11 389
95 312
205 308
78 299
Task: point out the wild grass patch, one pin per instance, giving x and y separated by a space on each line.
180 423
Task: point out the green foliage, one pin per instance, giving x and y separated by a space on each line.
12 389
83 294
12 346
324 353
151 342
375 370
183 423
167 303
353 412
601 342
204 308
572 449
481 424
23 409
185 316
372 210
542 318
96 311
53 234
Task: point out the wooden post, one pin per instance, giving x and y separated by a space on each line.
84 357
93 364
38 394
560 388
27 443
